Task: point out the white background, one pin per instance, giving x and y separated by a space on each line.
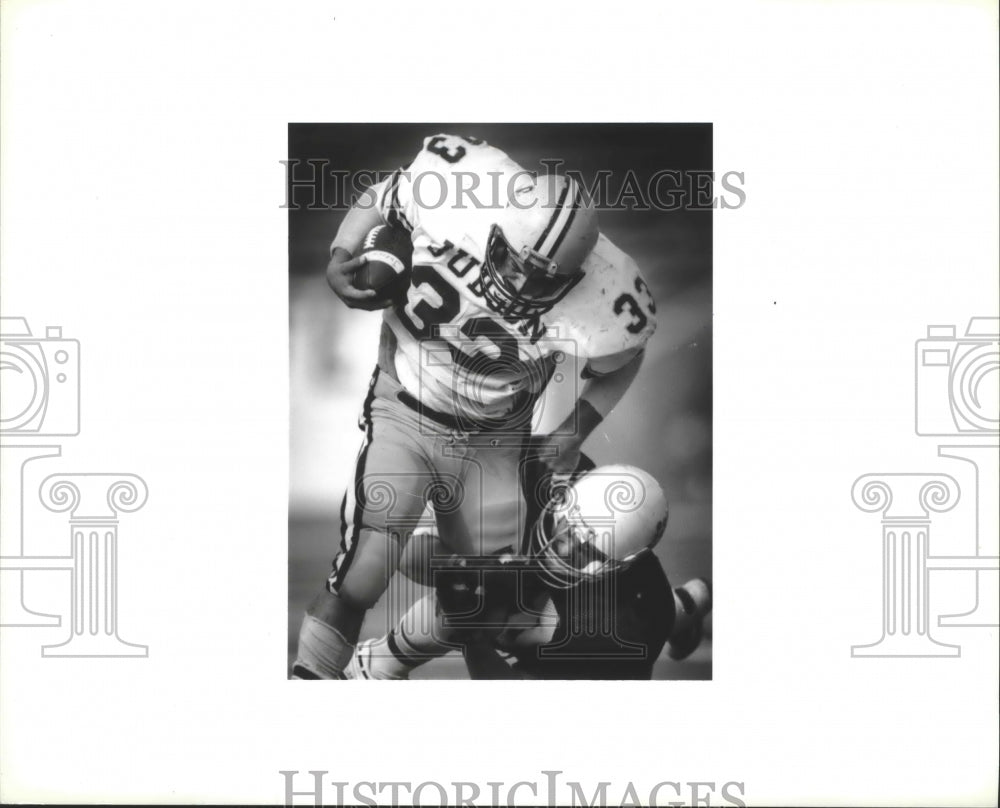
141 194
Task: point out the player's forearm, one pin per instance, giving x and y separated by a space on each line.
600 395
361 218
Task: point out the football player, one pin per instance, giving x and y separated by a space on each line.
502 295
586 599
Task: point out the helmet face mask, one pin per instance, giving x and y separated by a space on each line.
567 553
536 249
522 283
597 526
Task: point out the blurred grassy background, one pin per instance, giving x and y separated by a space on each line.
664 424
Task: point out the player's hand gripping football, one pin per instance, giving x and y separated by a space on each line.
340 274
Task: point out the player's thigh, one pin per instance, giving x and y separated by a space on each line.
486 509
383 503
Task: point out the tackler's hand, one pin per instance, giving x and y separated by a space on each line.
560 455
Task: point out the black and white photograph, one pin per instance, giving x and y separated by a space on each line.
604 399
501 393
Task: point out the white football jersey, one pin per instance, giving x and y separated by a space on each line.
451 351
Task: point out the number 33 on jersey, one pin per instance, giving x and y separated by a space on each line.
448 347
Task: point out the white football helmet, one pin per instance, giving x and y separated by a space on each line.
598 524
537 245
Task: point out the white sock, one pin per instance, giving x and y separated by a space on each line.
393 657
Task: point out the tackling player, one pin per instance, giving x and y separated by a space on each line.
585 599
501 296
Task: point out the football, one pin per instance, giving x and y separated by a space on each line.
387 271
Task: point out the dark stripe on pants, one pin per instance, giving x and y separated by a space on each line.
359 494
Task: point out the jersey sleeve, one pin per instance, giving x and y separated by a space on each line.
611 313
603 365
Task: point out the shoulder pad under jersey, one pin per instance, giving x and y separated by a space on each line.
611 310
453 189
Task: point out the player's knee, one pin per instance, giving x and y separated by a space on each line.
360 580
357 592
